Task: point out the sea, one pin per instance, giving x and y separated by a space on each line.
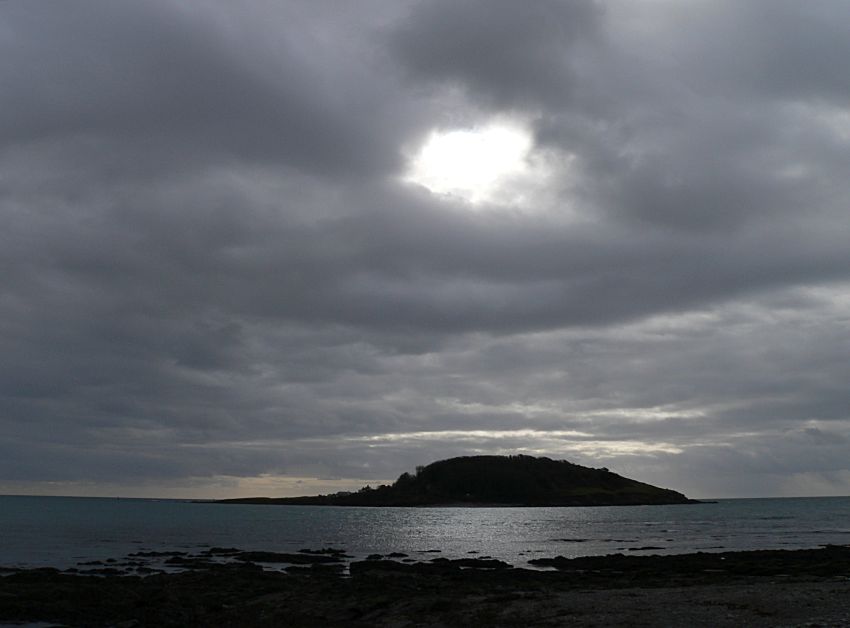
63 532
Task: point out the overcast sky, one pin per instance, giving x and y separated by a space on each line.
294 247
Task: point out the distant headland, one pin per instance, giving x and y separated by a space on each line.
495 481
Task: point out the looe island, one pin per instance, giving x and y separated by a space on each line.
495 481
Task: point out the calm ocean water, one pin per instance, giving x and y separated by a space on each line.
62 531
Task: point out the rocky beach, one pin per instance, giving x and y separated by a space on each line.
230 587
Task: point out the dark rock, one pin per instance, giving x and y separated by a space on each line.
189 562
316 569
221 551
330 551
825 562
104 571
378 566
147 570
473 563
294 559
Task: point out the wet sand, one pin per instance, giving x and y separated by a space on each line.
762 588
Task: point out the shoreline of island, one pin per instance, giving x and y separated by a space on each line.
298 501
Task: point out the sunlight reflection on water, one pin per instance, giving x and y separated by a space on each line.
60 531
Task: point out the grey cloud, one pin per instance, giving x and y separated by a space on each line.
774 49
210 268
180 86
512 54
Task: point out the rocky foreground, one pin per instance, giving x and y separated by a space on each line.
230 587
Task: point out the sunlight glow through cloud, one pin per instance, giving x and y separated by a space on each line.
537 442
474 164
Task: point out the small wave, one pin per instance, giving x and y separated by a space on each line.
570 540
830 532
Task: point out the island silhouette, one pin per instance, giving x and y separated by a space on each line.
495 481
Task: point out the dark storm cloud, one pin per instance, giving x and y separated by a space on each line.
173 84
211 269
516 55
